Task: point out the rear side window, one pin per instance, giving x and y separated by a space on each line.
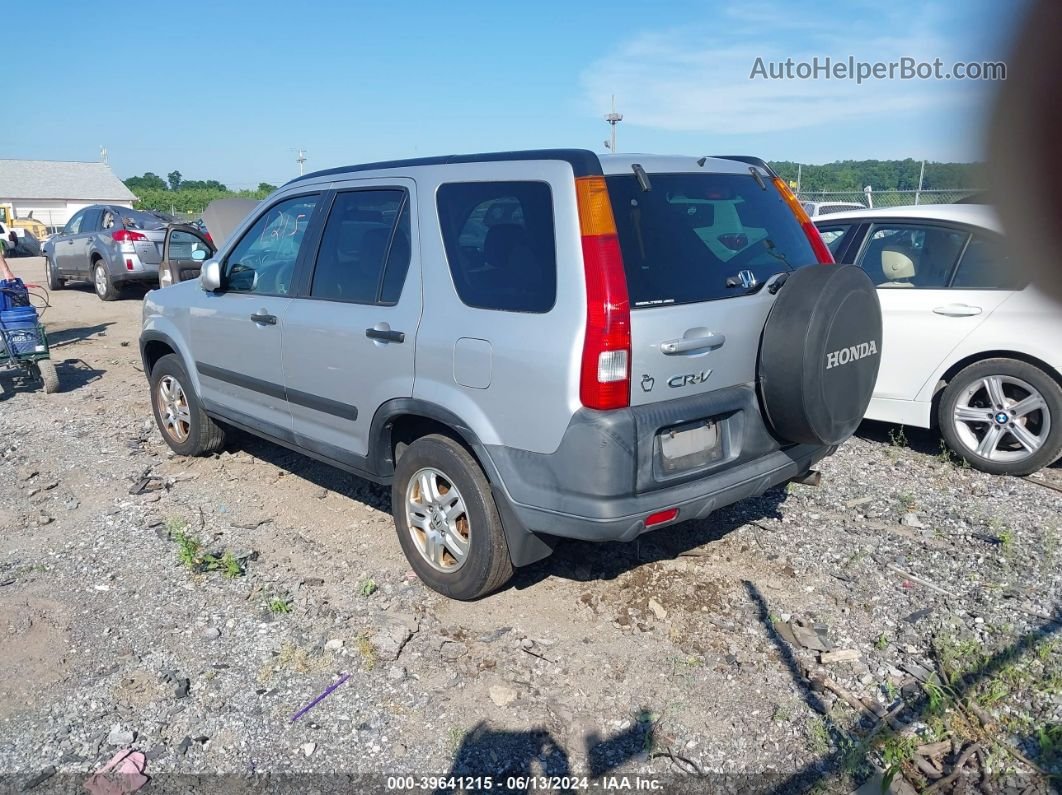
359 245
911 255
834 237
686 236
985 265
500 244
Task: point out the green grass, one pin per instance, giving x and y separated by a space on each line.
818 737
367 587
280 605
897 437
882 642
907 500
191 555
189 549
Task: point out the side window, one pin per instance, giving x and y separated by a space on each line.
359 245
986 265
834 237
500 244
90 222
911 255
263 262
184 245
109 221
73 226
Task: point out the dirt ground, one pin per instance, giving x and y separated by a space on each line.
193 620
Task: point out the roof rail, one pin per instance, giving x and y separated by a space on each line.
583 162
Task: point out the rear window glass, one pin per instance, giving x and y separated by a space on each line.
500 244
686 236
144 219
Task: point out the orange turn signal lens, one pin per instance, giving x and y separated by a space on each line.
595 209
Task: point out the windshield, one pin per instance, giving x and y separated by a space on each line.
690 236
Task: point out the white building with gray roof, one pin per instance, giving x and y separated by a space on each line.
53 190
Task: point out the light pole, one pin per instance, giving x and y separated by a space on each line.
613 119
300 160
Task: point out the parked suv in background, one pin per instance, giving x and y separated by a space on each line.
109 246
524 345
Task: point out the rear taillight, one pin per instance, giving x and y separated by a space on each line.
818 245
127 236
605 377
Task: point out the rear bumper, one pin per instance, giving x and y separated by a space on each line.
605 479
140 271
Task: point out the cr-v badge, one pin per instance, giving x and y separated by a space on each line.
688 379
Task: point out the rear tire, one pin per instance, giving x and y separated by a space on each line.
101 281
52 272
178 413
449 527
994 411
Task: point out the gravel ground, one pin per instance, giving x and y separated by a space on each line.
193 620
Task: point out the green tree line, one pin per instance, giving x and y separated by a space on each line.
185 196
882 175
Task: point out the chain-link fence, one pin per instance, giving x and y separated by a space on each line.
891 198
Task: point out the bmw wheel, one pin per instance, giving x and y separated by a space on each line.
1003 416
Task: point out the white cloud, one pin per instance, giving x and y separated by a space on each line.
697 78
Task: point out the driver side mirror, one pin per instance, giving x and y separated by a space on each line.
210 276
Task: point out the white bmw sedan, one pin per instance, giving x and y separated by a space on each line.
969 346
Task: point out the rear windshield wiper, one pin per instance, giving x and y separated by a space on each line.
642 177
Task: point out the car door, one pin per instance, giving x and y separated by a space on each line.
184 249
63 245
237 332
924 319
350 336
80 243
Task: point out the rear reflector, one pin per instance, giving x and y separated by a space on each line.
818 245
660 517
128 264
605 375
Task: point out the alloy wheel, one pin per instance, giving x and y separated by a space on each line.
172 403
438 520
1002 418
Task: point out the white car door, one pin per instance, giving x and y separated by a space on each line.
924 315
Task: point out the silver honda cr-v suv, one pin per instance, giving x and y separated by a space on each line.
525 345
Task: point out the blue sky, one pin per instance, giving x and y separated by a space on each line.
229 91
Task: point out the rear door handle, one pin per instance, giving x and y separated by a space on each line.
687 344
957 310
264 319
385 335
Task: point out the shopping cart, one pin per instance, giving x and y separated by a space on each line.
23 342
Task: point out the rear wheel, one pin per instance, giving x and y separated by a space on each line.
1003 416
448 524
105 288
52 271
185 426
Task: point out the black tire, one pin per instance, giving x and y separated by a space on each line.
52 272
958 435
202 435
105 289
486 565
49 376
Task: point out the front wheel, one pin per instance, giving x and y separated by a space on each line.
1003 416
185 426
448 524
48 375
105 288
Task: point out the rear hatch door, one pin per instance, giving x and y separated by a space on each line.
699 250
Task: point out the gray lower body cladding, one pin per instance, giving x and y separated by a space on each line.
607 475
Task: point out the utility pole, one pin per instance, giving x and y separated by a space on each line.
613 119
800 172
103 154
300 160
921 179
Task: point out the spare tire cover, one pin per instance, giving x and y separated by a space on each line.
819 354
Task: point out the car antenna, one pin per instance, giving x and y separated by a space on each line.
643 178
